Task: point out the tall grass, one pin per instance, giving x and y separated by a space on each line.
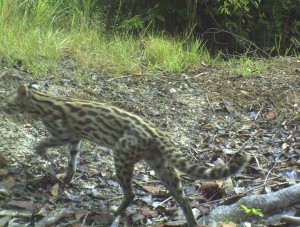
42 33
173 55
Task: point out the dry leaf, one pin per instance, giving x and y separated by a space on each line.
155 190
54 190
285 146
212 189
9 182
5 220
28 205
270 116
27 126
102 218
80 214
149 213
4 191
137 73
229 224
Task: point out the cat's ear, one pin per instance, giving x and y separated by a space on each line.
23 90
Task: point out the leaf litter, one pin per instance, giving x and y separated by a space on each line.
210 115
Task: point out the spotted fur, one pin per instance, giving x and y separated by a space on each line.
131 138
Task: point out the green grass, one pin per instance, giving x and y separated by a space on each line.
43 33
247 66
170 54
38 50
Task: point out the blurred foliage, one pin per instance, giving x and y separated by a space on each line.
234 25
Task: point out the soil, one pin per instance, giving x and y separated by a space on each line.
210 114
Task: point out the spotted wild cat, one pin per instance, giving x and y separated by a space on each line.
131 138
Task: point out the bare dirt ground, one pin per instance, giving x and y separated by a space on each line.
210 115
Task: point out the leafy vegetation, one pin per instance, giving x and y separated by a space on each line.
254 211
41 34
139 37
271 25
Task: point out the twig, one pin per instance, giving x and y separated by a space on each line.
2 74
258 113
198 75
291 220
265 181
257 162
84 219
116 222
209 103
238 38
246 142
160 204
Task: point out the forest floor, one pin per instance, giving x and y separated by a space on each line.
209 114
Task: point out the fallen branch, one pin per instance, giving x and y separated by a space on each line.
268 203
54 216
291 220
